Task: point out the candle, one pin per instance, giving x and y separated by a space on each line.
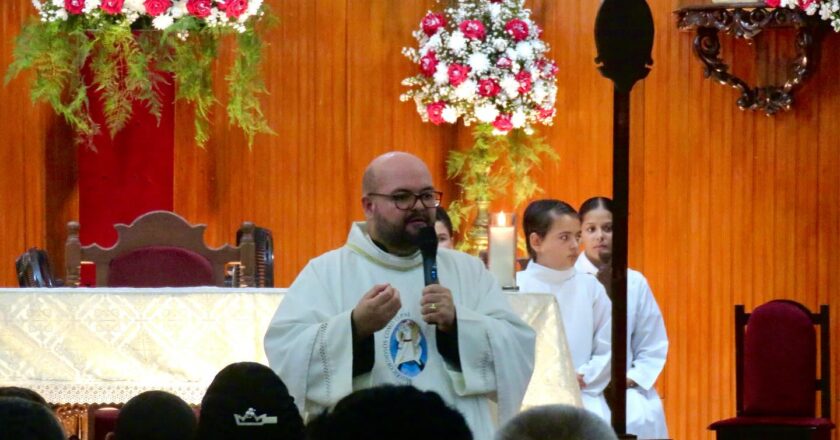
501 256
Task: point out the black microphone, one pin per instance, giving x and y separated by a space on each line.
427 241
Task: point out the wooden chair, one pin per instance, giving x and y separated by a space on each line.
33 269
160 249
264 246
776 374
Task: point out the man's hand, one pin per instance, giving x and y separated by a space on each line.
581 383
437 307
375 309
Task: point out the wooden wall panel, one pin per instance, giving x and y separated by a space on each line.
727 206
37 175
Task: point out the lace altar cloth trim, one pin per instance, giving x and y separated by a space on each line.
106 345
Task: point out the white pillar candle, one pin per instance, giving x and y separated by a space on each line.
501 256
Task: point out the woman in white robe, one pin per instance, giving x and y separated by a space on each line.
552 231
647 342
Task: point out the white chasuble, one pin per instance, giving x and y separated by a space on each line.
309 341
647 348
587 319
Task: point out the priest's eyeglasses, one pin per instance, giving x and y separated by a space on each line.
405 200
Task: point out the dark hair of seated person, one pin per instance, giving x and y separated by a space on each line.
155 415
556 422
248 401
23 419
390 412
23 393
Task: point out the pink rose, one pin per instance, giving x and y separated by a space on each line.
772 3
199 8
504 63
546 113
234 8
805 3
432 22
434 111
488 87
74 7
502 123
428 63
458 74
157 7
524 79
112 7
517 28
473 29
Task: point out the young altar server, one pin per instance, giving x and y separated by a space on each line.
647 342
552 234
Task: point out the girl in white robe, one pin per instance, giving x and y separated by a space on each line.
647 342
552 231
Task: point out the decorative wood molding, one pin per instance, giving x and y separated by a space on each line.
747 23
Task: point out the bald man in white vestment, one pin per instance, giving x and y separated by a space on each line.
348 321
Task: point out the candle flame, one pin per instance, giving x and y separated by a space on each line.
501 219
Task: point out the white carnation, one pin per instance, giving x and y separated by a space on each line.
486 113
61 14
163 21
495 9
510 85
58 3
479 63
518 119
457 42
511 53
254 7
449 114
466 90
441 75
524 51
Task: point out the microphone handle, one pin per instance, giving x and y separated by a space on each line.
430 273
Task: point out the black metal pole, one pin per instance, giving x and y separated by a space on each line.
621 196
624 38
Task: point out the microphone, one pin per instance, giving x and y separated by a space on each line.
427 241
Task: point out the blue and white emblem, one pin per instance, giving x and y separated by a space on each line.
408 348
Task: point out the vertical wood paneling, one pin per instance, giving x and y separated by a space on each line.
727 207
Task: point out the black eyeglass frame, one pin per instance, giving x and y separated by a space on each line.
438 195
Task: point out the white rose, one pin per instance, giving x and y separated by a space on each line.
500 44
163 21
486 113
449 114
134 5
179 8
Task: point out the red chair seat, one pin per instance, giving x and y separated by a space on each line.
815 422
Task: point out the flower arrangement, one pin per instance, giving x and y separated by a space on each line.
126 45
829 10
483 61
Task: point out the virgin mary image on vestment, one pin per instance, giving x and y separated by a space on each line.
408 348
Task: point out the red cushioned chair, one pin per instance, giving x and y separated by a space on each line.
160 249
776 374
